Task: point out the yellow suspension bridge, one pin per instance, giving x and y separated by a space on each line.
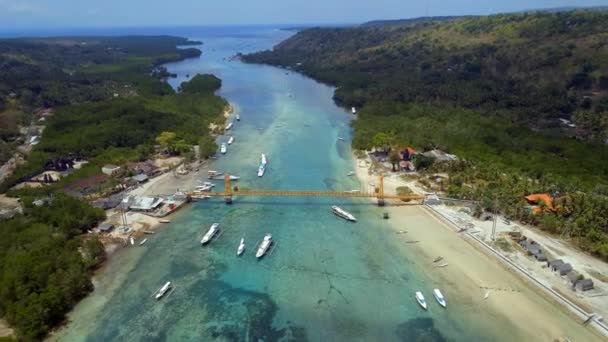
229 192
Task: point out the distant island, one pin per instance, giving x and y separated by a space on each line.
69 107
522 98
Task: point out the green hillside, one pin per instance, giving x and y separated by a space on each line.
491 90
528 68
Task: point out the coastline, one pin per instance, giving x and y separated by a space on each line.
472 271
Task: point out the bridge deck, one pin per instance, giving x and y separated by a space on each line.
306 193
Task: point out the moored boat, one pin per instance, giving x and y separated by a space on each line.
262 167
353 110
231 140
439 296
229 126
223 148
343 213
132 241
212 174
420 299
238 117
143 241
164 221
263 248
210 233
241 248
163 290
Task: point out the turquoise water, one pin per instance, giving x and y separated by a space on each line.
325 280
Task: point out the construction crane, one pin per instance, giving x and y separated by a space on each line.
229 192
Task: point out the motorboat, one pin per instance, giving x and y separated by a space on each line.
340 138
420 299
229 126
162 291
241 248
212 174
132 241
231 140
207 186
210 233
164 221
234 178
353 110
223 148
238 117
439 296
263 248
262 167
143 241
343 214
352 173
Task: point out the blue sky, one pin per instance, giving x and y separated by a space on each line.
16 14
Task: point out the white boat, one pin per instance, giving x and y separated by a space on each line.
439 296
238 117
164 221
212 174
132 241
486 295
354 110
207 186
143 241
234 178
231 140
262 167
340 138
263 248
161 292
241 248
210 233
229 126
224 148
343 214
350 173
420 299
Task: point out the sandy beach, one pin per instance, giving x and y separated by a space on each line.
471 273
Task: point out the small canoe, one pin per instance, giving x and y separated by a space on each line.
439 297
420 299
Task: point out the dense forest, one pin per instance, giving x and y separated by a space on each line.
44 266
490 89
527 68
111 104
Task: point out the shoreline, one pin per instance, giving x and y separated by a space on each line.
471 270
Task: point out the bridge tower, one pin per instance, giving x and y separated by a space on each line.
227 190
380 193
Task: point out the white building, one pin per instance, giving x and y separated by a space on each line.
110 169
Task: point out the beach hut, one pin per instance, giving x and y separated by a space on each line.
563 269
573 277
140 178
553 263
584 285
